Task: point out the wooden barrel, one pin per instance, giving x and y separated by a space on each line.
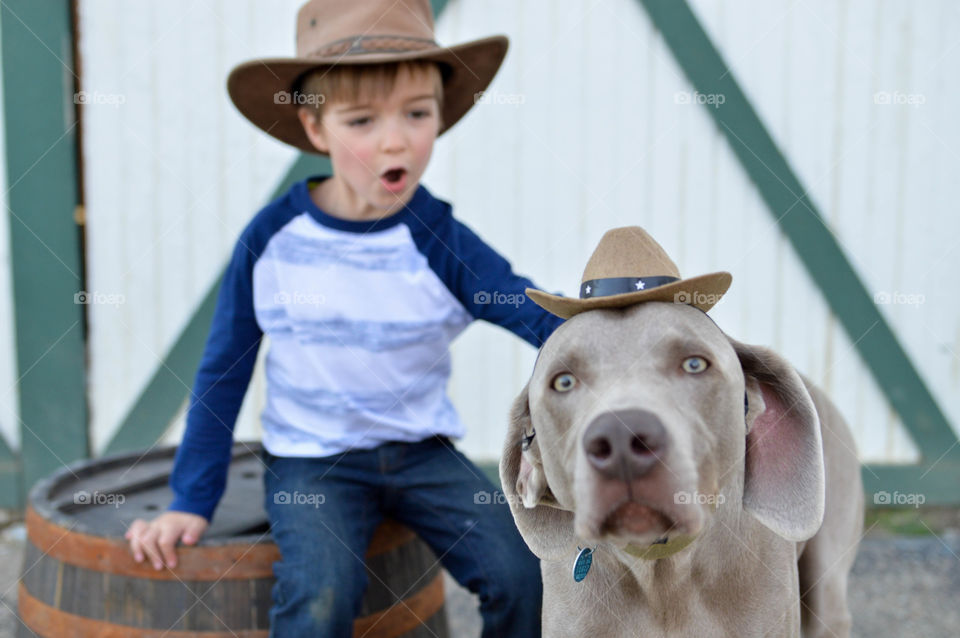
79 579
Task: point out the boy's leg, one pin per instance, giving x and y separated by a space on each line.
446 499
322 515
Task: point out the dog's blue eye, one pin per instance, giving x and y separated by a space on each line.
564 382
695 365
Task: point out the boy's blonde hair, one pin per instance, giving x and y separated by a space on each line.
352 83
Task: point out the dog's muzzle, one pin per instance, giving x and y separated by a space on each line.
625 444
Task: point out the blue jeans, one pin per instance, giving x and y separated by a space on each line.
428 486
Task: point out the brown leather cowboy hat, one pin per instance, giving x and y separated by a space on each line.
629 267
334 32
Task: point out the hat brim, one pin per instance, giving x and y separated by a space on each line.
702 292
253 86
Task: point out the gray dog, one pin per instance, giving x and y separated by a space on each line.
716 492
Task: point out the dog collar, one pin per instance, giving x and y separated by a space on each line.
660 548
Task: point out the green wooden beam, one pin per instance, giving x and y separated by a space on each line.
171 383
438 6
901 485
11 484
11 488
6 454
814 243
41 152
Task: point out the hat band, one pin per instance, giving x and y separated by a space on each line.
620 285
361 44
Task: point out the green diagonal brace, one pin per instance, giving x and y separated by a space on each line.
815 245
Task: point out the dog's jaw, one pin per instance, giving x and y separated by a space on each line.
638 513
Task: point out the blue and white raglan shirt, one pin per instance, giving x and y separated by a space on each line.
360 317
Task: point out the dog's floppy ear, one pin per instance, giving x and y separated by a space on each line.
783 482
547 530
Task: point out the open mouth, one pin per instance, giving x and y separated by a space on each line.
394 179
635 518
394 175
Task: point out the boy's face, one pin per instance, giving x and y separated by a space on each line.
379 146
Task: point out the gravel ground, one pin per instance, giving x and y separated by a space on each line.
900 586
907 587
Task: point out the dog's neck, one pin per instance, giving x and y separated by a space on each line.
703 562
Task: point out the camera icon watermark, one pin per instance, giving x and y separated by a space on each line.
705 99
298 298
88 98
916 100
898 298
495 97
898 498
696 498
495 498
298 498
482 498
86 298
299 99
485 298
83 497
696 298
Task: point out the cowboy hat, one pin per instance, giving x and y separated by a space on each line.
335 32
629 267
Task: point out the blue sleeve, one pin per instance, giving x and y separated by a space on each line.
485 283
200 468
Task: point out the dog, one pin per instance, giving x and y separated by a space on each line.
698 486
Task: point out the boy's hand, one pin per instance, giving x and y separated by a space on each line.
156 539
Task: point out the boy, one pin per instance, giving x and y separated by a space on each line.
361 280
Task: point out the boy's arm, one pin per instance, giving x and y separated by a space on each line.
489 289
199 472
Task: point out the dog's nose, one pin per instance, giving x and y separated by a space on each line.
624 444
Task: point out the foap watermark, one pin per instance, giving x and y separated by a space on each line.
696 498
90 98
298 298
87 298
83 497
898 498
299 99
707 99
696 298
298 498
897 298
495 97
496 498
495 298
916 100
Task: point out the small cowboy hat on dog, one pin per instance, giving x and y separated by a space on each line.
629 267
335 32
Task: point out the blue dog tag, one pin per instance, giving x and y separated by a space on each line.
582 565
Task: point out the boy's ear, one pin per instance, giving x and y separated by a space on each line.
311 127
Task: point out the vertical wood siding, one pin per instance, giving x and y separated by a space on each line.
589 125
173 173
